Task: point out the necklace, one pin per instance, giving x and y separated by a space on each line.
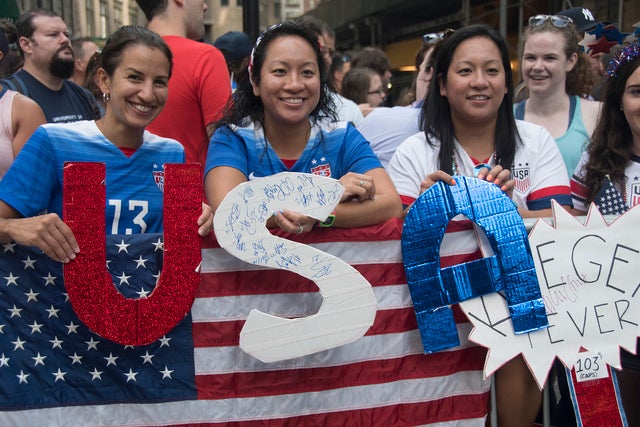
476 168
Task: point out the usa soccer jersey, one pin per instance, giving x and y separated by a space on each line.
333 150
134 185
538 169
630 192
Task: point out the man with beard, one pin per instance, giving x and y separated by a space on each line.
199 86
43 41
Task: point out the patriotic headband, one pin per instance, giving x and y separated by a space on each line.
627 54
258 41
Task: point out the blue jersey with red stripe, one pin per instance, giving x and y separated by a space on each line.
134 185
333 150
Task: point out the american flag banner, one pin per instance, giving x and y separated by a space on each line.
48 357
54 371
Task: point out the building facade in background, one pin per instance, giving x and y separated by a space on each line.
395 26
99 18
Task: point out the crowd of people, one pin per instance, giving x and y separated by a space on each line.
288 102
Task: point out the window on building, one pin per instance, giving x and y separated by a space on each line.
104 19
277 10
224 3
117 13
91 21
133 12
56 6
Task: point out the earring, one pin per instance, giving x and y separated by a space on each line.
106 97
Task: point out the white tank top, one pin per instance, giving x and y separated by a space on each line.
6 130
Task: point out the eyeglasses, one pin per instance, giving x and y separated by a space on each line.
327 51
345 58
379 91
558 21
431 38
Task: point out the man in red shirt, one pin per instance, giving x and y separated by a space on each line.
199 86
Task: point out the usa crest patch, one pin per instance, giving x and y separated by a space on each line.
322 170
635 193
158 178
521 176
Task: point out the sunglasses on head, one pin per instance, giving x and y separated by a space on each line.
434 37
558 21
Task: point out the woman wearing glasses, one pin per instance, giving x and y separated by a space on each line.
558 76
364 87
468 129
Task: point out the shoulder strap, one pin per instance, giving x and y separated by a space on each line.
519 110
573 101
14 82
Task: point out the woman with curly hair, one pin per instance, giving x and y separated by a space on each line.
282 119
614 150
557 76
614 154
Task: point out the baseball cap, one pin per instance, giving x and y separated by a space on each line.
582 18
234 45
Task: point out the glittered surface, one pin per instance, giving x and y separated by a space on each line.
511 269
596 401
88 282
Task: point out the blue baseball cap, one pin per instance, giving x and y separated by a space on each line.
234 45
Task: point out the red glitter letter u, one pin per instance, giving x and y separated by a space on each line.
90 285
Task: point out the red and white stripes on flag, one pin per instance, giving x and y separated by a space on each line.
381 379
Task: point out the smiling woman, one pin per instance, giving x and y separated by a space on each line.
468 129
133 74
558 76
282 119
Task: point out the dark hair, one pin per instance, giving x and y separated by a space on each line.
130 35
372 57
317 25
435 115
77 45
337 64
245 104
356 83
12 60
24 24
152 8
90 82
580 80
611 145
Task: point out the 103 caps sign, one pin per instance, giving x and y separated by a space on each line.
588 280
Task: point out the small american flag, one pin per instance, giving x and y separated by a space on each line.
609 200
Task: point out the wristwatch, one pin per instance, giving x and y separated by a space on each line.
329 221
